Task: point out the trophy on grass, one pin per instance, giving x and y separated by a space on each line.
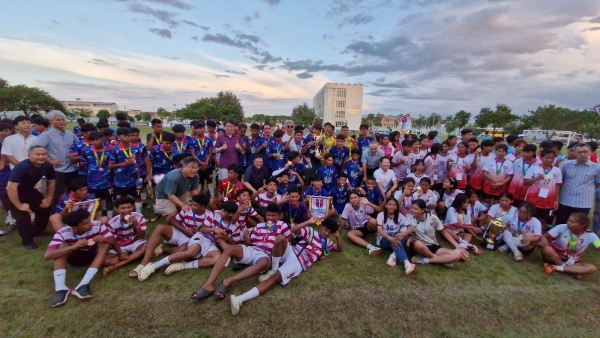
493 233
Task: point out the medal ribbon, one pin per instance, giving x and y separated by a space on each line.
101 160
201 145
164 152
573 241
130 154
525 170
228 191
519 226
125 225
546 171
324 246
293 217
221 224
499 169
158 140
179 146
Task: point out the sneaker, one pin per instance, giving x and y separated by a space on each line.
417 259
236 303
60 297
83 292
449 265
9 219
504 249
408 268
392 260
175 267
518 255
374 252
155 218
264 277
146 272
30 246
475 250
549 268
2 232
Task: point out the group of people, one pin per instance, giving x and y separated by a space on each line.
406 189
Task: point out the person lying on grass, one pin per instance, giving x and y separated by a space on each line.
522 232
81 242
356 216
563 246
310 246
424 242
129 229
392 231
458 223
259 244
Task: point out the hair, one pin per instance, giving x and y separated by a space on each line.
108 132
340 137
87 127
470 192
518 142
229 206
54 114
396 213
487 143
327 156
77 184
330 224
79 120
363 126
120 116
464 144
419 161
530 148
393 135
271 180
572 145
235 168
211 123
5 126
102 124
95 135
278 133
383 158
546 152
408 180
497 139
124 200
292 155
558 145
134 130
435 149
511 138
425 179
123 131
168 137
453 183
450 137
593 146
243 190
578 145
199 125
502 146
318 126
421 204
124 124
329 124
342 174
581 218
230 121
21 118
273 207
74 218
201 199
178 128
254 126
459 200
189 159
193 124
546 144
354 192
530 208
465 132
103 119
42 121
155 122
293 189
473 140
316 177
355 152
507 195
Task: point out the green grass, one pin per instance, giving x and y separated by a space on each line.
347 294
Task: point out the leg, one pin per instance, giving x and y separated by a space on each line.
42 215
234 251
580 269
61 294
356 237
549 255
253 270
210 260
563 213
161 231
422 249
134 256
445 256
440 209
24 226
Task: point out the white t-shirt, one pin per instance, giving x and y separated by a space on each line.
386 179
357 218
390 226
425 231
286 137
561 236
417 179
453 217
17 146
517 227
495 211
476 209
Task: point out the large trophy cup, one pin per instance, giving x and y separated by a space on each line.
318 140
493 233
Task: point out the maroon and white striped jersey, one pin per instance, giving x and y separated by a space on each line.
67 235
191 220
263 200
243 219
234 230
124 231
314 249
263 236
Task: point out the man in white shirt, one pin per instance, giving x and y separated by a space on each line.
289 131
15 147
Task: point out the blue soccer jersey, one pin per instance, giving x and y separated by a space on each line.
330 176
162 160
352 169
339 155
99 175
374 196
62 200
363 143
275 148
243 158
311 150
310 191
340 196
203 147
140 158
77 149
283 189
126 176
181 147
256 143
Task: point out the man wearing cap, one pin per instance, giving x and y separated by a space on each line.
176 188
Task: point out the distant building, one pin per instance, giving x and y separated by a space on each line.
93 106
133 112
390 121
340 104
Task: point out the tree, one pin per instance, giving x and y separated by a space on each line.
552 118
591 130
461 119
303 114
138 117
369 120
26 99
3 83
162 113
494 119
146 117
451 124
82 112
103 114
419 122
130 118
378 118
222 107
433 120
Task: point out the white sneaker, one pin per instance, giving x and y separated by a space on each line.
175 267
518 255
263 278
392 260
1 232
236 303
417 259
504 249
408 268
146 272
374 252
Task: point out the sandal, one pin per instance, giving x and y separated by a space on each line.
201 294
221 290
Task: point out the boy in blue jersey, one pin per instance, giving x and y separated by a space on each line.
363 139
340 153
353 169
340 193
161 158
245 143
99 176
110 140
276 151
328 172
372 192
284 183
202 150
294 168
77 148
256 142
182 146
78 192
122 160
77 129
317 189
140 160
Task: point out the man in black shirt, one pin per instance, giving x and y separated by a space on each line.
25 198
255 175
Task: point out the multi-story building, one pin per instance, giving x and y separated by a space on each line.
93 106
390 121
340 104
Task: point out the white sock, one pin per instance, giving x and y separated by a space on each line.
371 247
143 196
560 268
87 278
463 244
190 265
253 293
60 278
211 188
161 263
103 204
138 207
274 264
426 260
109 213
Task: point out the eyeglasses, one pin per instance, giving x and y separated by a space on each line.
290 126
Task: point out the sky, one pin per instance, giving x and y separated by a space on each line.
411 56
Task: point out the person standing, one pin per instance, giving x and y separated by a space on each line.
580 178
289 131
24 198
58 141
229 146
15 147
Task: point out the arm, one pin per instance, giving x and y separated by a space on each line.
177 225
148 162
338 241
52 254
11 159
297 227
176 201
300 180
364 170
13 195
51 187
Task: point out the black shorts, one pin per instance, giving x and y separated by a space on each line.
125 191
205 176
105 194
82 257
433 248
545 215
364 230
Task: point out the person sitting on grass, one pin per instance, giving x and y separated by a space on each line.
425 244
191 239
392 231
371 192
447 195
426 194
228 188
316 188
284 184
419 172
477 211
356 216
82 242
294 168
265 240
503 208
227 220
78 193
311 246
339 193
405 197
129 229
522 232
292 211
268 194
458 224
564 245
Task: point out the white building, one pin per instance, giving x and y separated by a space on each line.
93 106
340 104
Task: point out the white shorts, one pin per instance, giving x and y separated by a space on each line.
129 248
206 245
291 266
166 207
251 256
178 238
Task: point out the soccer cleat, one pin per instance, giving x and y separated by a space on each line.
374 252
475 250
392 260
146 272
236 303
175 267
408 268
518 255
155 218
549 268
504 249
417 259
83 292
264 277
60 297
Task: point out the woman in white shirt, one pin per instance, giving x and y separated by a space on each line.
392 232
522 232
458 223
385 178
356 215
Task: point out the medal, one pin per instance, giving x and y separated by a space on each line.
225 199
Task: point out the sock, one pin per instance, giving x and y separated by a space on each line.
190 265
161 263
371 247
103 204
60 277
425 260
138 207
274 264
211 189
143 196
253 293
463 244
407 262
87 278
109 213
560 268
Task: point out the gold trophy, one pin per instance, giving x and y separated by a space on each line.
318 139
495 228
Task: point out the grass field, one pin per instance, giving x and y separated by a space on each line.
347 294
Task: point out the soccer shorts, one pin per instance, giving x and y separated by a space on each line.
105 194
206 245
291 266
251 255
81 257
129 248
126 191
178 238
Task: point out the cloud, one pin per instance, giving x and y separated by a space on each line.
272 2
170 57
592 29
243 41
101 62
256 15
304 75
163 33
235 72
175 3
595 20
163 16
327 37
55 22
194 38
381 92
250 37
219 75
358 19
342 6
397 84
195 25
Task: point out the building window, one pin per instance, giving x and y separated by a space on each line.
340 114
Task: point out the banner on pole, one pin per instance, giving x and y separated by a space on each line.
91 206
405 122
